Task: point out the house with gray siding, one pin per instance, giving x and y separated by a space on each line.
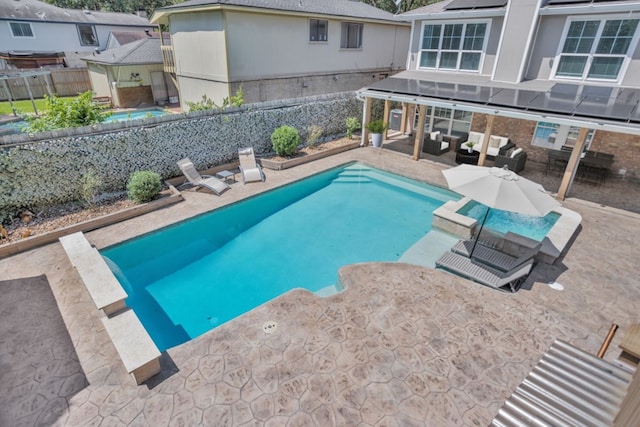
35 33
279 49
550 75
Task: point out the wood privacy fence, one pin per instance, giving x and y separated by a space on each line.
62 82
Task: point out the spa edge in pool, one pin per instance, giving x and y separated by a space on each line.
188 278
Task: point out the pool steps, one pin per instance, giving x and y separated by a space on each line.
358 173
132 342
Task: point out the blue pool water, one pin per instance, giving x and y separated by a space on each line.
134 115
16 127
530 226
186 279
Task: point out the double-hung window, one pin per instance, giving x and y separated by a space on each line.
318 30
21 29
453 46
87 34
351 35
596 49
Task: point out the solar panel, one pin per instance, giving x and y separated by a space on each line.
600 102
559 2
513 98
474 4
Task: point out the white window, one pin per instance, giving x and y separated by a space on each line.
87 34
21 29
351 35
446 120
318 30
596 49
453 46
554 136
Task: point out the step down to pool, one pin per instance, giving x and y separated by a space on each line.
427 250
330 290
351 180
360 174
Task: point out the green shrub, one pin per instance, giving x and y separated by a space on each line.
143 186
376 126
90 185
353 124
81 110
314 133
285 140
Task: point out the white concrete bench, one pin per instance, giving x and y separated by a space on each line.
136 349
103 287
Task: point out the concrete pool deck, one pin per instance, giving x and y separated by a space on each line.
402 345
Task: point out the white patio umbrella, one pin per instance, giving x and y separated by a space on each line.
499 189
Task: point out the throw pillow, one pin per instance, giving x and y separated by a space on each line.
494 142
475 137
434 135
516 152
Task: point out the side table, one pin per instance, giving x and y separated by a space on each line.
225 175
464 156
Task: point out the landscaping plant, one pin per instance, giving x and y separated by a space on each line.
376 126
143 186
314 133
353 124
285 140
60 114
90 185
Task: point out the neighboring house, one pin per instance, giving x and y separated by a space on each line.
34 33
131 75
535 71
279 49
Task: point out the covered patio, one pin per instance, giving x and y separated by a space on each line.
518 113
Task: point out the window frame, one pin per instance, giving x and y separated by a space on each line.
593 54
435 117
311 32
32 36
460 51
94 32
346 46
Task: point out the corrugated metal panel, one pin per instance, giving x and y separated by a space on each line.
567 387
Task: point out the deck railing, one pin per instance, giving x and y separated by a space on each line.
168 59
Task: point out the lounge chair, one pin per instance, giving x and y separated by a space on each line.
207 181
492 257
251 171
484 274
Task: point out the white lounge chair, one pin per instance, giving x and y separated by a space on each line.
251 171
207 181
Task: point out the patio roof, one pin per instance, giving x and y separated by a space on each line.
595 107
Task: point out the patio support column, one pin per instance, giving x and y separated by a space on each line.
572 166
366 118
403 122
417 145
486 139
387 111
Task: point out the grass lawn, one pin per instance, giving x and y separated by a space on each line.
23 105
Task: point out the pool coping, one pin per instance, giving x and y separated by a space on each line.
555 243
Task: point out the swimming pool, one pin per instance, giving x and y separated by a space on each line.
134 115
186 279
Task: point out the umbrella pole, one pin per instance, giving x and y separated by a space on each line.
486 214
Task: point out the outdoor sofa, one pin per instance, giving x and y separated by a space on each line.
497 144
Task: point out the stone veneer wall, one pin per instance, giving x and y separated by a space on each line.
625 147
47 169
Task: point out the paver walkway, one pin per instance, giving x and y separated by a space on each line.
402 345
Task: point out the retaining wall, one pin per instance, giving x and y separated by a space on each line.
46 169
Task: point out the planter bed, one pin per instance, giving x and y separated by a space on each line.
91 224
289 163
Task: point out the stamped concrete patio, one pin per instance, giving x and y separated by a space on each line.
403 345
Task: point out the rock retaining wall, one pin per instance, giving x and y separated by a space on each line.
47 169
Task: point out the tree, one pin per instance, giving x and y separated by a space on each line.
60 114
124 6
405 5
